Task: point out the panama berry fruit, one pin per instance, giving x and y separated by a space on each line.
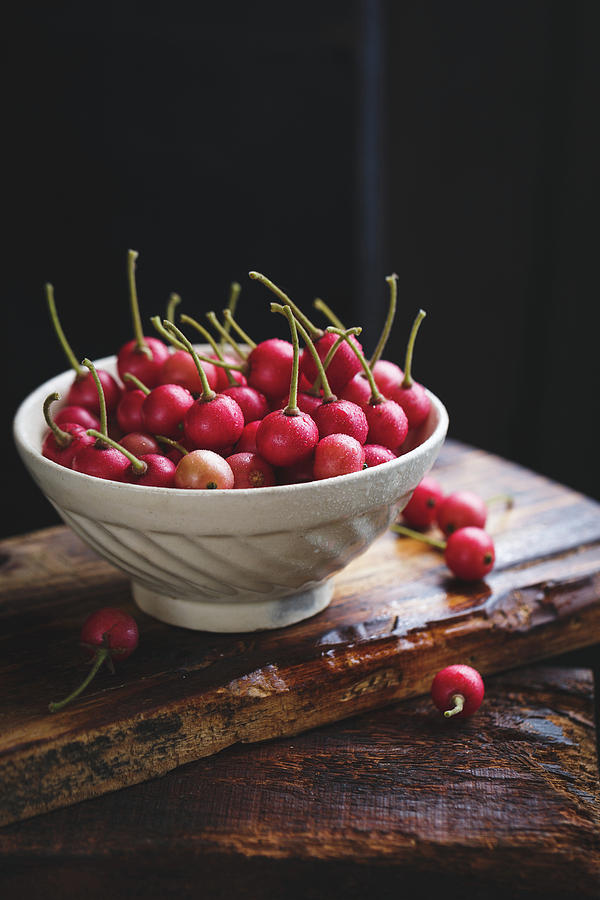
457 691
108 635
421 509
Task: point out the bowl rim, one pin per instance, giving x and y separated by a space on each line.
31 406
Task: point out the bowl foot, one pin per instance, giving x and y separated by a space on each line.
252 615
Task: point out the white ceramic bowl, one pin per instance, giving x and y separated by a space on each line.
235 561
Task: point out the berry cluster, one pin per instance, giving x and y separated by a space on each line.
259 415
468 549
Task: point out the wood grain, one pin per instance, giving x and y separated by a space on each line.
396 618
505 804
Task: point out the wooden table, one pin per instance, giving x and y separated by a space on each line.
347 785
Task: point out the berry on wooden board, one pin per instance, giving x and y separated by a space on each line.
457 691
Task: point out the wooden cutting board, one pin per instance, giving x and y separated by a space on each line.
396 618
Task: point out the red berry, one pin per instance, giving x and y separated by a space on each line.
421 509
388 424
270 367
375 455
83 392
251 471
164 409
337 454
146 367
343 366
101 462
387 375
139 443
179 368
213 424
63 454
358 390
460 509
457 691
159 471
247 439
252 403
284 439
107 635
415 402
469 553
77 415
341 417
129 410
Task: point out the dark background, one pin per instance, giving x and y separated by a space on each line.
326 144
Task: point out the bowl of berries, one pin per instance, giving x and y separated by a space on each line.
230 486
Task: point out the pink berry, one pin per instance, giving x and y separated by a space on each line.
251 471
164 409
337 454
457 691
387 375
375 455
284 439
341 417
469 553
421 509
459 509
204 470
213 424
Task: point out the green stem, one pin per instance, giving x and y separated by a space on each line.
312 329
328 313
216 362
165 334
376 395
101 401
62 438
140 342
101 654
225 335
174 301
138 464
418 536
60 333
458 704
171 443
328 395
292 407
507 499
392 281
129 376
229 320
408 381
207 392
234 293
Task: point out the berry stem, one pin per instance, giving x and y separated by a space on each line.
392 281
329 314
207 392
229 320
292 407
376 395
101 655
507 499
138 331
225 335
174 301
216 362
408 380
128 376
60 333
138 464
234 293
165 334
418 536
62 438
101 401
171 443
458 704
312 329
328 395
